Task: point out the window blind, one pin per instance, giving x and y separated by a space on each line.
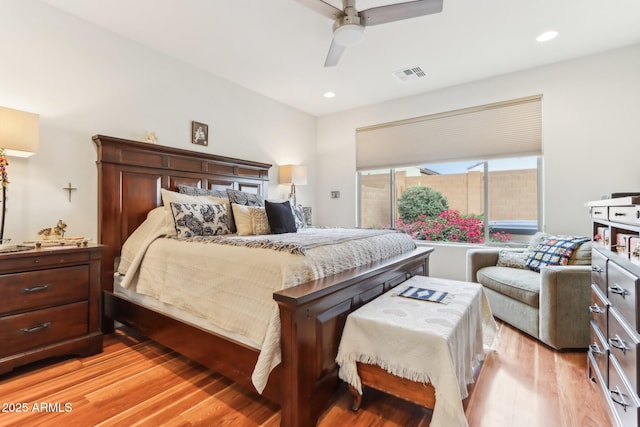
504 129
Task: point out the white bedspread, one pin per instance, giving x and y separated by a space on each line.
422 341
232 286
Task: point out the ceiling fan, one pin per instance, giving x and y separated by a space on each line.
349 24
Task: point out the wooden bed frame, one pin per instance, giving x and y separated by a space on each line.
130 176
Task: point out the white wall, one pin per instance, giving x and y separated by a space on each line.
83 81
591 137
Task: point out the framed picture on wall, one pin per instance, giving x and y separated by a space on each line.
199 133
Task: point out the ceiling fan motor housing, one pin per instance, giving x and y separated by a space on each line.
347 30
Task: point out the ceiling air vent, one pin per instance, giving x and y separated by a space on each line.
412 73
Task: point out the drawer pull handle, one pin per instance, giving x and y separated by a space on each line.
615 289
595 308
595 348
33 289
35 328
597 212
596 269
620 402
618 343
620 214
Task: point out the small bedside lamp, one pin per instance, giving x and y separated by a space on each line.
19 132
294 175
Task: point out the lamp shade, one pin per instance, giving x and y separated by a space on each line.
292 174
19 132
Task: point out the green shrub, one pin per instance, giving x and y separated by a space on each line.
421 200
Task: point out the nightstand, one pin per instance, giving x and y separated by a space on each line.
50 304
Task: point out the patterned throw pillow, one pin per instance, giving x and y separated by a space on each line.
195 191
554 251
512 259
199 220
298 215
243 198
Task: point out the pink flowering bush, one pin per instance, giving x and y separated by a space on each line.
449 226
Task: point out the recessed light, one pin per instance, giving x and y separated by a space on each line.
546 36
329 95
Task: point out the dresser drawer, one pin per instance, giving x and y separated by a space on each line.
623 400
43 288
625 214
622 293
624 344
26 331
599 352
600 212
599 308
599 271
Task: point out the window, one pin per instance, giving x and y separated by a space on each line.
482 162
508 200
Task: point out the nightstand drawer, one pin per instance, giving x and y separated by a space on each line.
22 332
45 260
43 288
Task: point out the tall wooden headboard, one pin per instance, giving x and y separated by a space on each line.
131 174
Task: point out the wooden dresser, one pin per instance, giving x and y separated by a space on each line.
50 304
613 357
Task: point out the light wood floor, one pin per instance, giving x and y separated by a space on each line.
137 382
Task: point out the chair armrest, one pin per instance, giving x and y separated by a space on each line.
479 258
565 296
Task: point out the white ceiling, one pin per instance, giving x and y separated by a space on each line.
277 47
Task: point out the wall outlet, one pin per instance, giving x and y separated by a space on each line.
335 194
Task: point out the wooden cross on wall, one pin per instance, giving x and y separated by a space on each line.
69 188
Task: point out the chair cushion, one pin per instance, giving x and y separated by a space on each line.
521 285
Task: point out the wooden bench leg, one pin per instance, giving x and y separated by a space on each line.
357 398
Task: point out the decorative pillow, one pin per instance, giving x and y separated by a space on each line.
298 216
280 217
199 220
243 198
171 196
513 259
582 255
536 239
555 250
195 191
250 220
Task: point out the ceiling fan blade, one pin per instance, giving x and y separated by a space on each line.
323 8
335 51
399 11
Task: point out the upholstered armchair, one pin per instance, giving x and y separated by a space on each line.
550 305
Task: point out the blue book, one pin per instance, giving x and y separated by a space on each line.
426 294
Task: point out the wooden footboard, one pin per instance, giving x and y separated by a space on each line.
313 316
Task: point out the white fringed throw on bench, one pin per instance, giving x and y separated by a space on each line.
422 341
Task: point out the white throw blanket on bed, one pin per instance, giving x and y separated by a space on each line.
233 286
422 341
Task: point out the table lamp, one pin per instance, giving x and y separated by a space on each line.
19 132
294 175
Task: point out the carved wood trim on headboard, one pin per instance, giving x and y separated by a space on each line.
131 174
